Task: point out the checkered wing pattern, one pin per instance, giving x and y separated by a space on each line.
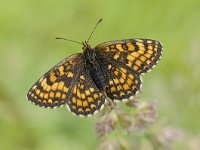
141 55
122 83
53 88
85 98
68 83
122 63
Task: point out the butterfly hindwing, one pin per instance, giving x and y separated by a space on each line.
122 83
52 89
139 54
85 97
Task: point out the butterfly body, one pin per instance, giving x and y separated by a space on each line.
83 81
93 66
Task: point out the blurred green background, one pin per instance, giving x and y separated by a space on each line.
28 49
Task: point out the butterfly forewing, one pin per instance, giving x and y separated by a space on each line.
53 88
139 54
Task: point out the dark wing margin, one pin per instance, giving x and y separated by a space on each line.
139 54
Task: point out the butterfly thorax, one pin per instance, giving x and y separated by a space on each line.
92 65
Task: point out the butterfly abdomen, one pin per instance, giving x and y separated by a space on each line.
94 69
97 75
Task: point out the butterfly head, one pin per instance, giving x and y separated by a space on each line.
86 46
89 53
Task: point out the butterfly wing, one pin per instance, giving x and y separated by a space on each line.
139 54
52 89
122 63
85 97
68 83
122 83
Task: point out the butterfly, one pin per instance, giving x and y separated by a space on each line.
84 81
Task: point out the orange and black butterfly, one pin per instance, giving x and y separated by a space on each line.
83 81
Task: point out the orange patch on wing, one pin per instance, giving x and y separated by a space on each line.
92 89
130 46
43 82
140 45
116 56
92 105
61 70
54 86
79 103
83 96
46 95
78 93
41 95
58 94
74 100
37 91
51 94
135 67
129 81
53 77
138 62
70 75
134 54
85 103
63 96
50 101
60 85
150 47
96 96
125 86
87 92
113 89
48 88
80 110
82 77
90 99
65 89
87 109
119 47
147 55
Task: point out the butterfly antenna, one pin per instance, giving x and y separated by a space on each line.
60 38
94 29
